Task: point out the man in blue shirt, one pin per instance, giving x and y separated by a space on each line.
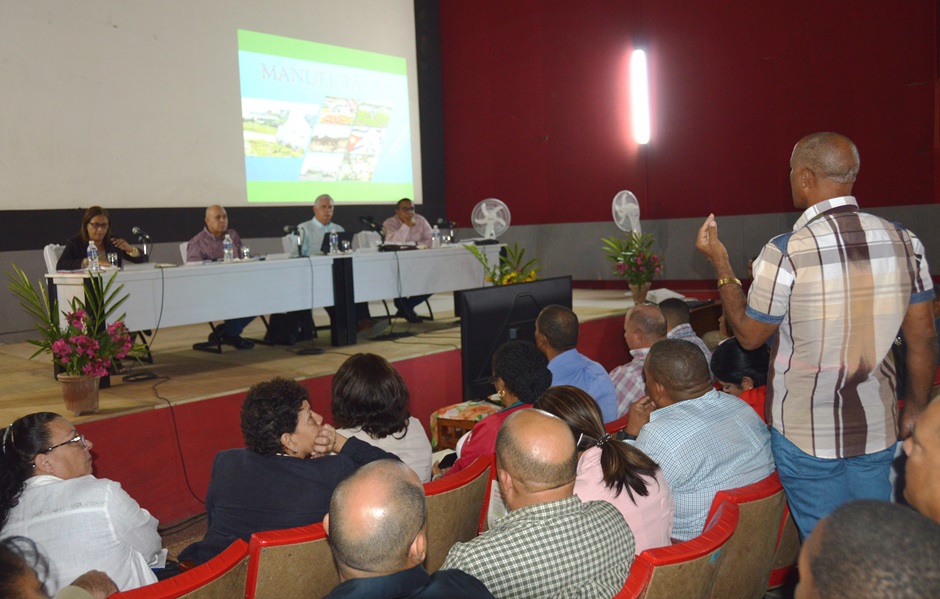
704 440
556 335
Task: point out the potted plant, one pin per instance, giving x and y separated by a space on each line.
634 262
82 344
510 267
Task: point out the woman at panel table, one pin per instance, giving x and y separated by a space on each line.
284 477
370 402
48 494
612 471
96 226
520 375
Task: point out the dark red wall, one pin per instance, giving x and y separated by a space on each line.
535 103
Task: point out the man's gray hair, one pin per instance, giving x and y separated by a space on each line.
829 155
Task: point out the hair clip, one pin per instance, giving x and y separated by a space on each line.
8 431
604 439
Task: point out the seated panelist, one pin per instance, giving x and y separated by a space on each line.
207 245
96 226
405 227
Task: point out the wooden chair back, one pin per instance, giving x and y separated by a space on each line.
746 570
222 577
686 570
457 508
294 562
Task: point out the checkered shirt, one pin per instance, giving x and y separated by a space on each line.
705 445
839 286
563 548
685 332
628 381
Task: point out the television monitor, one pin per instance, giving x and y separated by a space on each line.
491 316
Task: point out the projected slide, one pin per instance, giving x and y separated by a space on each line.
323 119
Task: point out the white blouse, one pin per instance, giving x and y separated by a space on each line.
413 449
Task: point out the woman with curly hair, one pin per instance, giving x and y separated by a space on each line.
520 375
613 471
78 521
370 402
275 482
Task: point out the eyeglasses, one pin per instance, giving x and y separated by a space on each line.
76 439
407 208
98 225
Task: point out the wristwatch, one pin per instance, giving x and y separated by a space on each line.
727 280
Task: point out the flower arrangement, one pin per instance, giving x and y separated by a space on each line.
86 344
510 268
633 259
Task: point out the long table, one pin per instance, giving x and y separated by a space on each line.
165 297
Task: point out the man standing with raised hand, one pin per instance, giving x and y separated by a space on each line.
835 291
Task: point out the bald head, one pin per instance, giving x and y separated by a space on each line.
216 220
375 516
643 326
823 166
537 450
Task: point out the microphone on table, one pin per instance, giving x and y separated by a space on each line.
291 229
446 224
369 221
144 239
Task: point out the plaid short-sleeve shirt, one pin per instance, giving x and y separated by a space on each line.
564 548
839 286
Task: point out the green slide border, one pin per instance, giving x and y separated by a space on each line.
270 192
264 43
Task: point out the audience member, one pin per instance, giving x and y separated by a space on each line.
613 471
79 522
677 316
378 533
370 402
23 569
96 226
838 288
871 550
704 440
273 482
551 544
556 335
313 232
922 471
643 326
407 226
742 372
207 245
520 375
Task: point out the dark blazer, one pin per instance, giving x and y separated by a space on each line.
76 250
413 584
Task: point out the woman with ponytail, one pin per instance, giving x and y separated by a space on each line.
614 471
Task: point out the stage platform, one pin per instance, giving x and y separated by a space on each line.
163 457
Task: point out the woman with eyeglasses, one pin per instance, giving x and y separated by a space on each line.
96 226
48 494
613 471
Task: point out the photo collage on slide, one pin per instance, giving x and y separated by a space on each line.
339 140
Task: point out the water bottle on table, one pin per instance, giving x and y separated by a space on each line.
334 242
93 264
228 249
435 237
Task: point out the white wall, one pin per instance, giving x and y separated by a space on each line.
136 103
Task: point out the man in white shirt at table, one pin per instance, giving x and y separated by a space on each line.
407 227
315 230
